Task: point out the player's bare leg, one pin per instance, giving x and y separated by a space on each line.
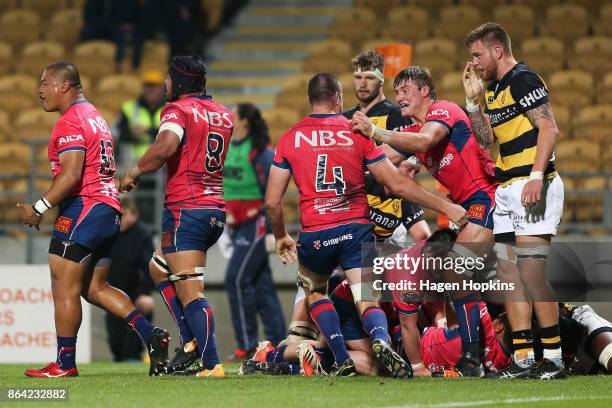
473 241
531 261
99 292
375 323
324 315
361 353
186 354
66 285
198 314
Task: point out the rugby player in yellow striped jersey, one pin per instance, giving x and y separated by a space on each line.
387 213
529 200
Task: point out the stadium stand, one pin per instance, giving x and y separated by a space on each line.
272 48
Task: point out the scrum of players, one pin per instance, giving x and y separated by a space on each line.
339 326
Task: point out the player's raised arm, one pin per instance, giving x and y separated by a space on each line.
430 135
155 157
405 187
278 180
473 87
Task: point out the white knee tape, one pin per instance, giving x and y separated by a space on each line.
300 295
605 356
300 330
504 252
538 252
160 263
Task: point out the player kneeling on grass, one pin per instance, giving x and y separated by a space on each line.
193 139
81 155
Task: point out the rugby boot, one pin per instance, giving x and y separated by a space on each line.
158 351
52 370
395 365
185 355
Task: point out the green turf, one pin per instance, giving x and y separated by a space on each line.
127 385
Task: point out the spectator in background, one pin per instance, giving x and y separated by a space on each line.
182 22
138 122
113 20
137 127
130 272
248 278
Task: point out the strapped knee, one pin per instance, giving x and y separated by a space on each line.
195 273
537 252
300 331
505 252
160 263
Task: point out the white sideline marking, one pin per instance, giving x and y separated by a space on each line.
509 401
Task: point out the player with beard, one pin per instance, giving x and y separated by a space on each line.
386 212
529 199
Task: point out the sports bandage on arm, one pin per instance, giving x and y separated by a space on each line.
41 206
379 134
134 172
417 366
174 128
536 175
473 104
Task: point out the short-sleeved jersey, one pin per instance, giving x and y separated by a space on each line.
457 162
327 161
82 128
195 171
507 103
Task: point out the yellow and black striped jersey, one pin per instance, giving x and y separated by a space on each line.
385 114
387 213
507 103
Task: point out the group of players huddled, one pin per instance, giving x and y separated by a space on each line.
354 171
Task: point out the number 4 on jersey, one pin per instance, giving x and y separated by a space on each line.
338 185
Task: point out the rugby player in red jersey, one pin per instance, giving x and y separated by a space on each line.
83 166
192 141
327 159
442 138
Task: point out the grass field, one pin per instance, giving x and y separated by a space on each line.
126 385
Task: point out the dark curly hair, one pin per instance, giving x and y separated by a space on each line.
258 128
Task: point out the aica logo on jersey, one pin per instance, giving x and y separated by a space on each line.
70 138
533 96
439 112
169 116
324 138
